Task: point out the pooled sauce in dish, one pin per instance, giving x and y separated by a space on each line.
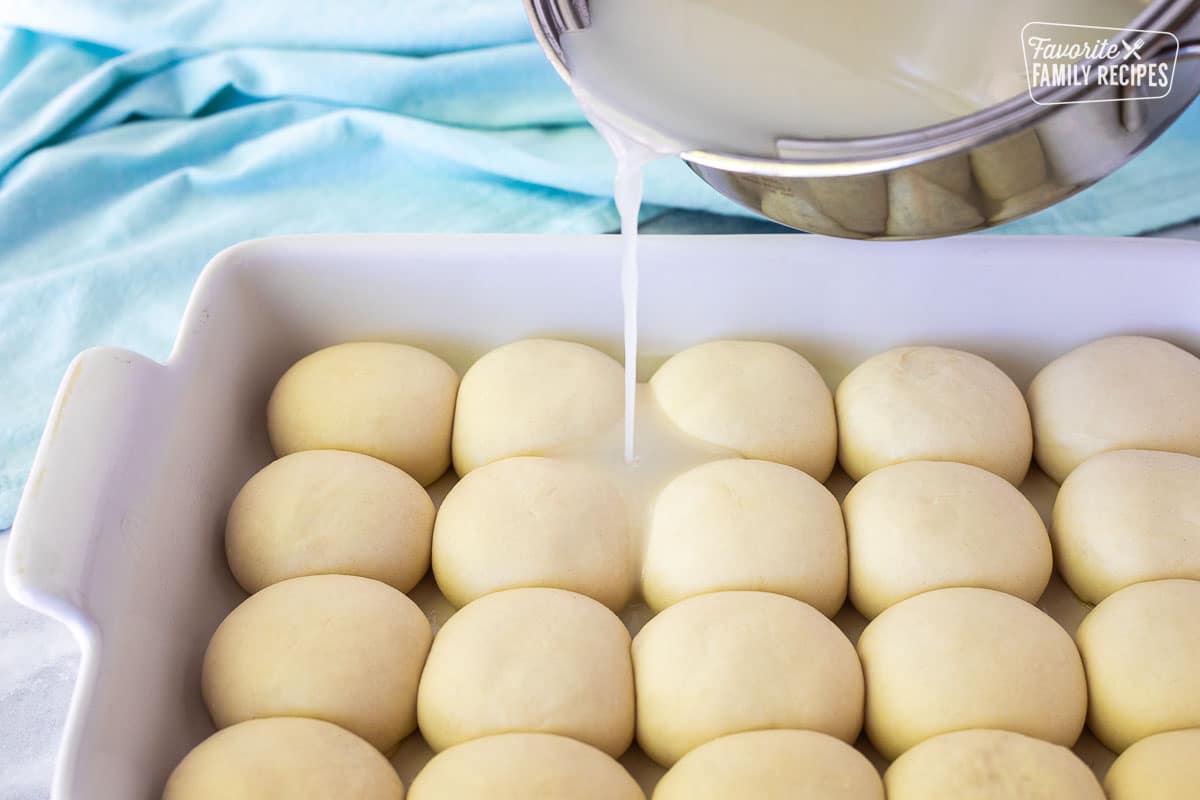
739 77
664 452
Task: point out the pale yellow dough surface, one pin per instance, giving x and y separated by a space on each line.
1128 516
283 757
1119 393
932 404
758 399
953 659
772 765
390 401
322 512
524 766
532 397
344 649
729 662
990 765
1165 766
748 525
531 521
922 525
534 661
1141 648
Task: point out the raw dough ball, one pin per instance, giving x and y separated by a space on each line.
758 399
284 757
932 404
729 662
329 512
990 765
953 659
530 397
1125 517
923 525
772 765
524 766
1119 393
1165 766
390 401
529 660
752 525
534 522
343 649
1141 648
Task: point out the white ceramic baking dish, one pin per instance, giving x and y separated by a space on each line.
119 532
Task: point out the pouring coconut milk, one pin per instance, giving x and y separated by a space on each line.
663 77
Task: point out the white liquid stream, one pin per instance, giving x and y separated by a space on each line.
627 193
631 156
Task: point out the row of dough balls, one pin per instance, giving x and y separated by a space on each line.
740 524
1123 517
727 524
932 403
405 406
351 651
295 757
763 401
311 679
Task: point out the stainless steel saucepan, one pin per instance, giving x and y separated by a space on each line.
971 173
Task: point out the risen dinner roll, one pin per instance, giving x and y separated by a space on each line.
1119 393
529 660
953 659
1141 648
524 766
1165 766
932 404
990 765
531 397
390 401
729 662
344 649
758 399
1128 516
772 765
923 525
739 524
534 522
283 757
329 512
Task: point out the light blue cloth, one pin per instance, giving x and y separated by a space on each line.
139 139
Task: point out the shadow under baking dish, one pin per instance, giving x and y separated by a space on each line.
120 531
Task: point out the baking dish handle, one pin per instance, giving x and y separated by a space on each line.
75 474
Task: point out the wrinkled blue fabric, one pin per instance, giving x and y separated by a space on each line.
139 139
